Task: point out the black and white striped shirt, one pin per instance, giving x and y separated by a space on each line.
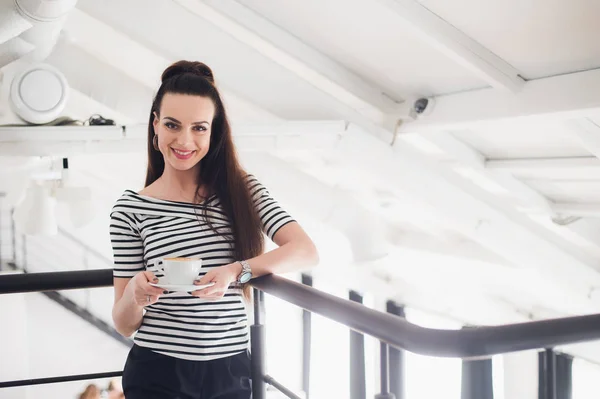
144 229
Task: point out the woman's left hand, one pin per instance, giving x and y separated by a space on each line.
222 276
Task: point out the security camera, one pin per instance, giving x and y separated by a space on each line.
423 106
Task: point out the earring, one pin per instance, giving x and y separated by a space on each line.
155 142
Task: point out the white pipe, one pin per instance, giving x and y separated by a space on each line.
44 10
12 23
46 18
43 36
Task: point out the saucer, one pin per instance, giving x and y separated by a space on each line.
181 287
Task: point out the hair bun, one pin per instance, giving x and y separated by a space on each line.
193 67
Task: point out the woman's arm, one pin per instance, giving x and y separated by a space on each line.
130 278
131 295
296 251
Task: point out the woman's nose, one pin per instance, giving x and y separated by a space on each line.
185 137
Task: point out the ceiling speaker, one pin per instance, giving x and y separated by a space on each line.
39 93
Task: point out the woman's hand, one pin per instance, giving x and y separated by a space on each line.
142 293
222 276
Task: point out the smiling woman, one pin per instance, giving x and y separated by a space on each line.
181 139
197 203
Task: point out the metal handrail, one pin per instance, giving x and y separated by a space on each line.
466 343
53 380
55 281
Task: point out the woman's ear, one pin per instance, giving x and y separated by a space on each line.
155 121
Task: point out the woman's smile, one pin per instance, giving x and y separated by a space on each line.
181 154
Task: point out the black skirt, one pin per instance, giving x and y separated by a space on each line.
150 375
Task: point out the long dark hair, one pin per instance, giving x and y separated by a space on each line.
220 170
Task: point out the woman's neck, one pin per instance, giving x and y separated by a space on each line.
180 183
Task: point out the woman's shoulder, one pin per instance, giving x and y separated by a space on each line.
128 195
124 203
257 189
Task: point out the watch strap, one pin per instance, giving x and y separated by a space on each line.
245 269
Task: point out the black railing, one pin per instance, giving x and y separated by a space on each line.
52 380
389 329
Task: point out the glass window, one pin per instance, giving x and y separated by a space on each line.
498 376
330 357
432 377
585 379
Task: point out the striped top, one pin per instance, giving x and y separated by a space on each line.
144 229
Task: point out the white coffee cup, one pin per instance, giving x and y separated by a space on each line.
179 271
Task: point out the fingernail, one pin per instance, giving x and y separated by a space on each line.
155 279
165 292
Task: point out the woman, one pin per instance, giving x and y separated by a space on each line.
198 203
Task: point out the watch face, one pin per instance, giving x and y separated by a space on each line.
245 277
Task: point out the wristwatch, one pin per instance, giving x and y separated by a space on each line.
246 273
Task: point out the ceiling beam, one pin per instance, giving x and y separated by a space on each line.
578 209
587 133
456 45
556 217
285 49
559 97
377 122
128 57
523 165
14 49
471 164
479 215
463 249
289 136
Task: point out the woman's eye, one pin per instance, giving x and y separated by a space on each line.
171 125
200 128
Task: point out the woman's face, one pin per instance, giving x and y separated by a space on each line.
183 129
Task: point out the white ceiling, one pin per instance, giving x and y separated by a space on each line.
540 38
367 38
477 200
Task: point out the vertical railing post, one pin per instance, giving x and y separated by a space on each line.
358 388
547 372
13 232
396 358
24 253
477 378
258 351
385 373
306 341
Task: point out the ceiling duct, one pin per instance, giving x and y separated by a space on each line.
36 22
